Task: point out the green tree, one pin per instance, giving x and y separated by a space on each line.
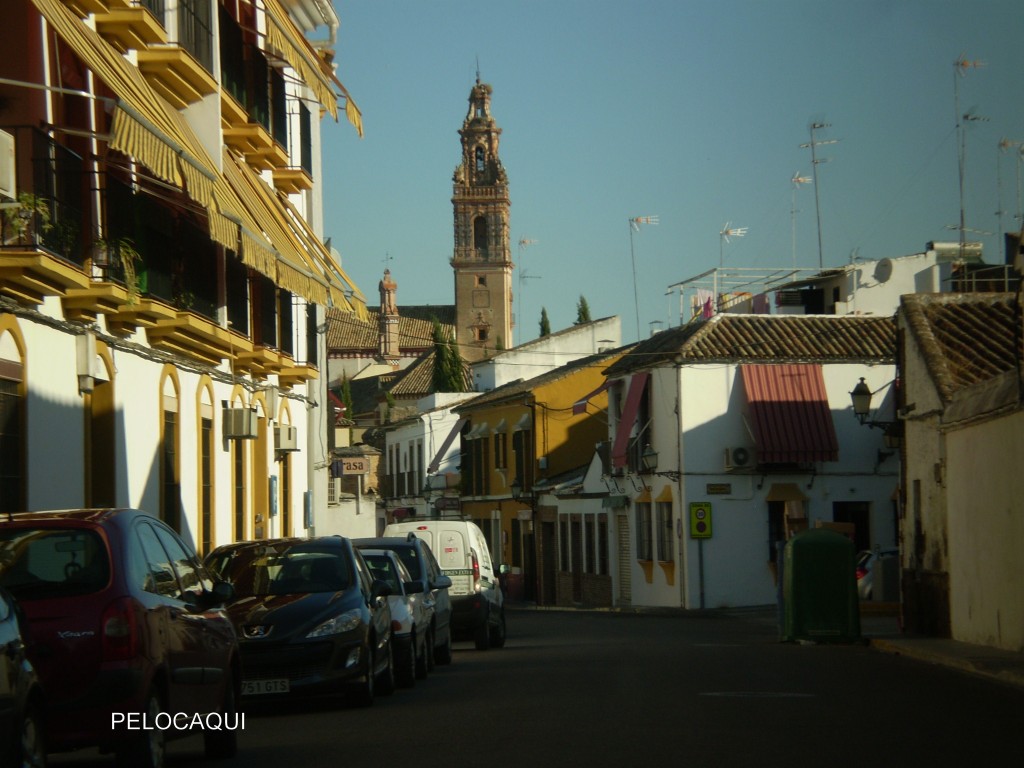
449 367
582 311
545 324
346 397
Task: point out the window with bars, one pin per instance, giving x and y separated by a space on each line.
643 531
170 506
501 451
238 489
665 531
11 433
588 532
206 490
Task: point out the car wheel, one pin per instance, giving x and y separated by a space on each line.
406 672
223 743
482 636
428 650
145 748
443 654
386 681
498 631
366 692
33 745
422 656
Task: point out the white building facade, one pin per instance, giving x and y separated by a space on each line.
748 448
159 313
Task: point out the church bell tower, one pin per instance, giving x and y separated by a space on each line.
482 261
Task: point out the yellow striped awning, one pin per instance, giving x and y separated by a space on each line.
293 46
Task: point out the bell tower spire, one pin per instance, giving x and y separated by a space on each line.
482 259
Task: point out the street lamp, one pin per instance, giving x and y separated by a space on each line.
861 397
428 495
649 462
517 490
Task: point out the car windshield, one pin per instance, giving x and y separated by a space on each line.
283 570
383 568
52 562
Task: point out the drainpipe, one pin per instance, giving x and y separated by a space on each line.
680 485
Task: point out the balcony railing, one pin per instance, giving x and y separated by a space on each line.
48 212
195 30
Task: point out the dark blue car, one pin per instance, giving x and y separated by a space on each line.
310 618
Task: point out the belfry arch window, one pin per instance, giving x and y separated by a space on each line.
480 233
479 159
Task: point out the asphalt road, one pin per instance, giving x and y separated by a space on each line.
607 689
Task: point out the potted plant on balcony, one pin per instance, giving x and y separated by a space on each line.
25 218
120 250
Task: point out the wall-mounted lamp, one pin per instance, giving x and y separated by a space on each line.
649 462
861 397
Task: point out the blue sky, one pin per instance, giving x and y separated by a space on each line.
693 112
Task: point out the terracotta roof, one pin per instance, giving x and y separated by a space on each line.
728 338
415 327
521 386
965 338
418 379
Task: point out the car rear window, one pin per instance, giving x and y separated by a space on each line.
382 568
276 570
410 559
40 563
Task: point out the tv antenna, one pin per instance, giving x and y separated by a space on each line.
796 181
813 144
524 243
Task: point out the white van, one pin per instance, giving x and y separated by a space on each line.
478 606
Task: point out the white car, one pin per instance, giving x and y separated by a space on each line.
478 605
867 561
411 616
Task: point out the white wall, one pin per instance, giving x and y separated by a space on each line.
736 568
986 528
545 354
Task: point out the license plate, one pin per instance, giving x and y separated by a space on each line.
257 687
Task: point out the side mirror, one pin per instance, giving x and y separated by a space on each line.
414 587
222 593
504 568
441 582
380 588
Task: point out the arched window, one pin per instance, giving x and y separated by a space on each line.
204 398
12 423
170 441
238 477
479 159
101 413
480 233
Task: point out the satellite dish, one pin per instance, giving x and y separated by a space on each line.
883 270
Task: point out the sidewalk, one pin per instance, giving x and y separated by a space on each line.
983 660
880 629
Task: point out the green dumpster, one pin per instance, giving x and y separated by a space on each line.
819 588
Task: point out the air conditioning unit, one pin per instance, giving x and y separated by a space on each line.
333 491
7 175
240 423
286 438
737 458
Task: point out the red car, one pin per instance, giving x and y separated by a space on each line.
127 632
